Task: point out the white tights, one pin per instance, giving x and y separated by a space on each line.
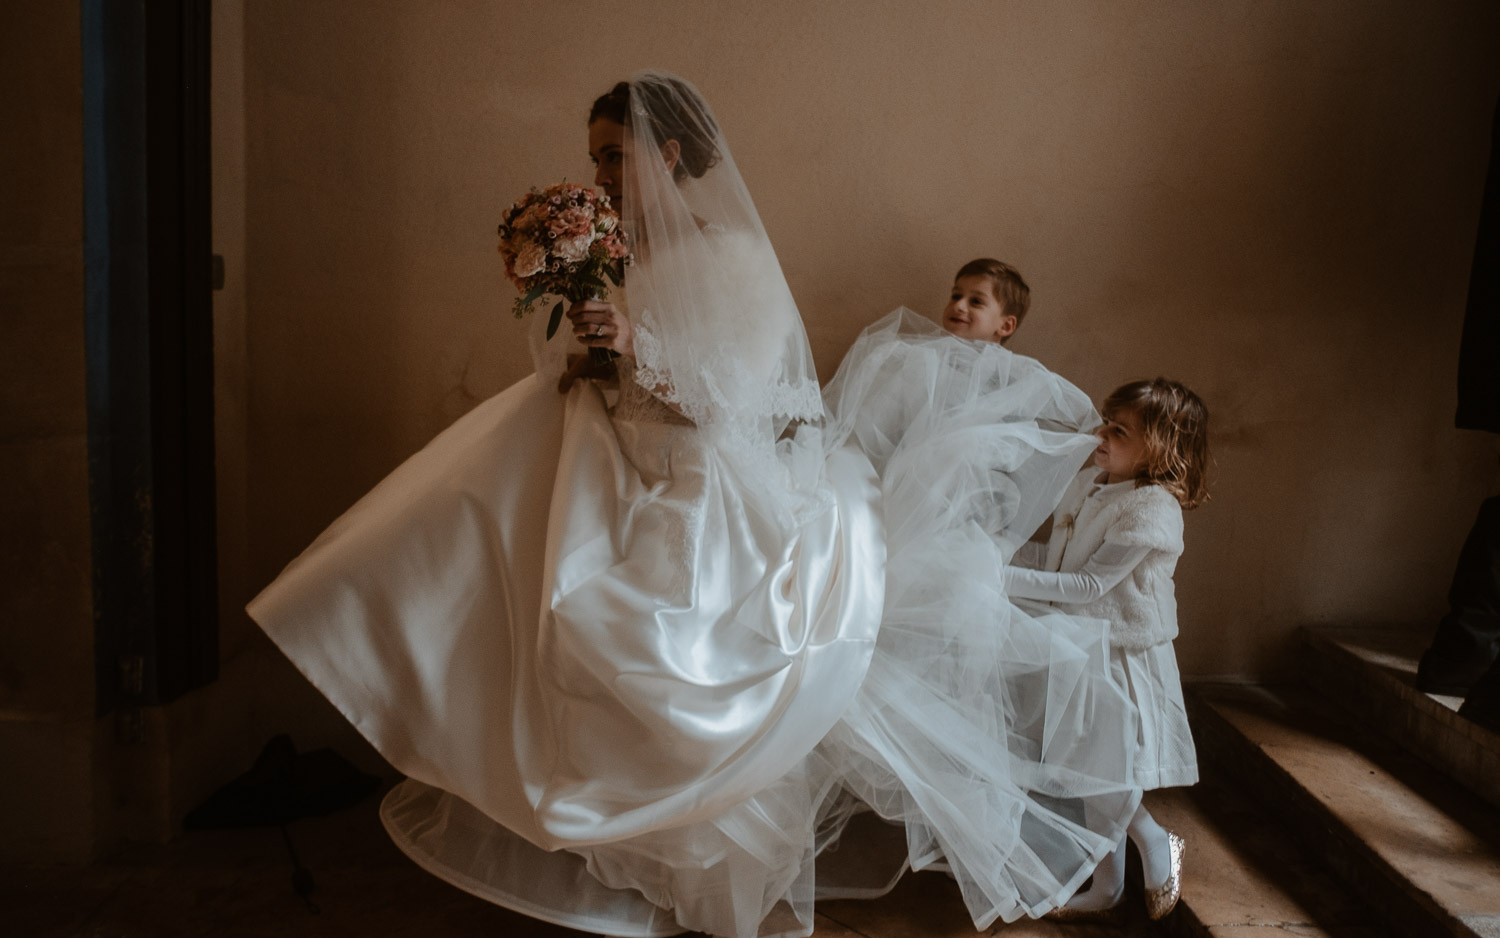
1150 840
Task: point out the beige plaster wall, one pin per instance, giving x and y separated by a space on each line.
1273 201
230 378
212 734
46 624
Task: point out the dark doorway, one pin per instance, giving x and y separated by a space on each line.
149 331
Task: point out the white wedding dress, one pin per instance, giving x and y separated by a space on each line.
572 628
628 705
650 672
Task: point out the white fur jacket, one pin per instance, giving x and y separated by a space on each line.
1111 556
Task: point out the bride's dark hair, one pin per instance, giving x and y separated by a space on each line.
612 105
676 113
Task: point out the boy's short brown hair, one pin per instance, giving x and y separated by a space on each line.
1010 289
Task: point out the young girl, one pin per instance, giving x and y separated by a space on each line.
1115 540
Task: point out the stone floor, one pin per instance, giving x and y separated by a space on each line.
238 884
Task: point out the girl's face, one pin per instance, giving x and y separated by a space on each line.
1122 446
607 150
974 312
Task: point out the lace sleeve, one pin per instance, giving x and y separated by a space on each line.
647 365
639 402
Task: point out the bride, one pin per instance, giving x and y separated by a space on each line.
639 658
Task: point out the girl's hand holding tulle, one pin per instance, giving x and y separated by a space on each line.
598 324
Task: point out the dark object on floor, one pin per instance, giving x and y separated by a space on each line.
1467 642
282 786
1482 705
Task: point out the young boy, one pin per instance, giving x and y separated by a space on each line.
973 446
988 302
983 432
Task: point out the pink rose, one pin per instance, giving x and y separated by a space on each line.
530 260
571 222
574 248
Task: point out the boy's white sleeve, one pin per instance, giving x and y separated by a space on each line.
1109 565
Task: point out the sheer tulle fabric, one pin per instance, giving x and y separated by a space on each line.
717 333
997 737
967 430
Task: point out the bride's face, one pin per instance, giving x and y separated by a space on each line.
607 150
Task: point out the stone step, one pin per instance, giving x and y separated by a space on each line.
1241 871
1372 672
1420 850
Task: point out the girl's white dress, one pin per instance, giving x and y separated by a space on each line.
1111 555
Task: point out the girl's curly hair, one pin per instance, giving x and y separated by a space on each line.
1175 423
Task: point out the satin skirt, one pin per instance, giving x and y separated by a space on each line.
572 633
631 699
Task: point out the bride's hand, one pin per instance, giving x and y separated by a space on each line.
597 324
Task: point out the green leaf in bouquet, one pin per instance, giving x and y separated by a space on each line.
556 318
533 294
613 272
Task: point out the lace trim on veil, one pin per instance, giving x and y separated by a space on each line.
795 400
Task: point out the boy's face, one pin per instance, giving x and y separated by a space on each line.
974 312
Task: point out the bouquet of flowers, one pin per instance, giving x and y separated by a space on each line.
563 240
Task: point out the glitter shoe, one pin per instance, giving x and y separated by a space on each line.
1163 899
